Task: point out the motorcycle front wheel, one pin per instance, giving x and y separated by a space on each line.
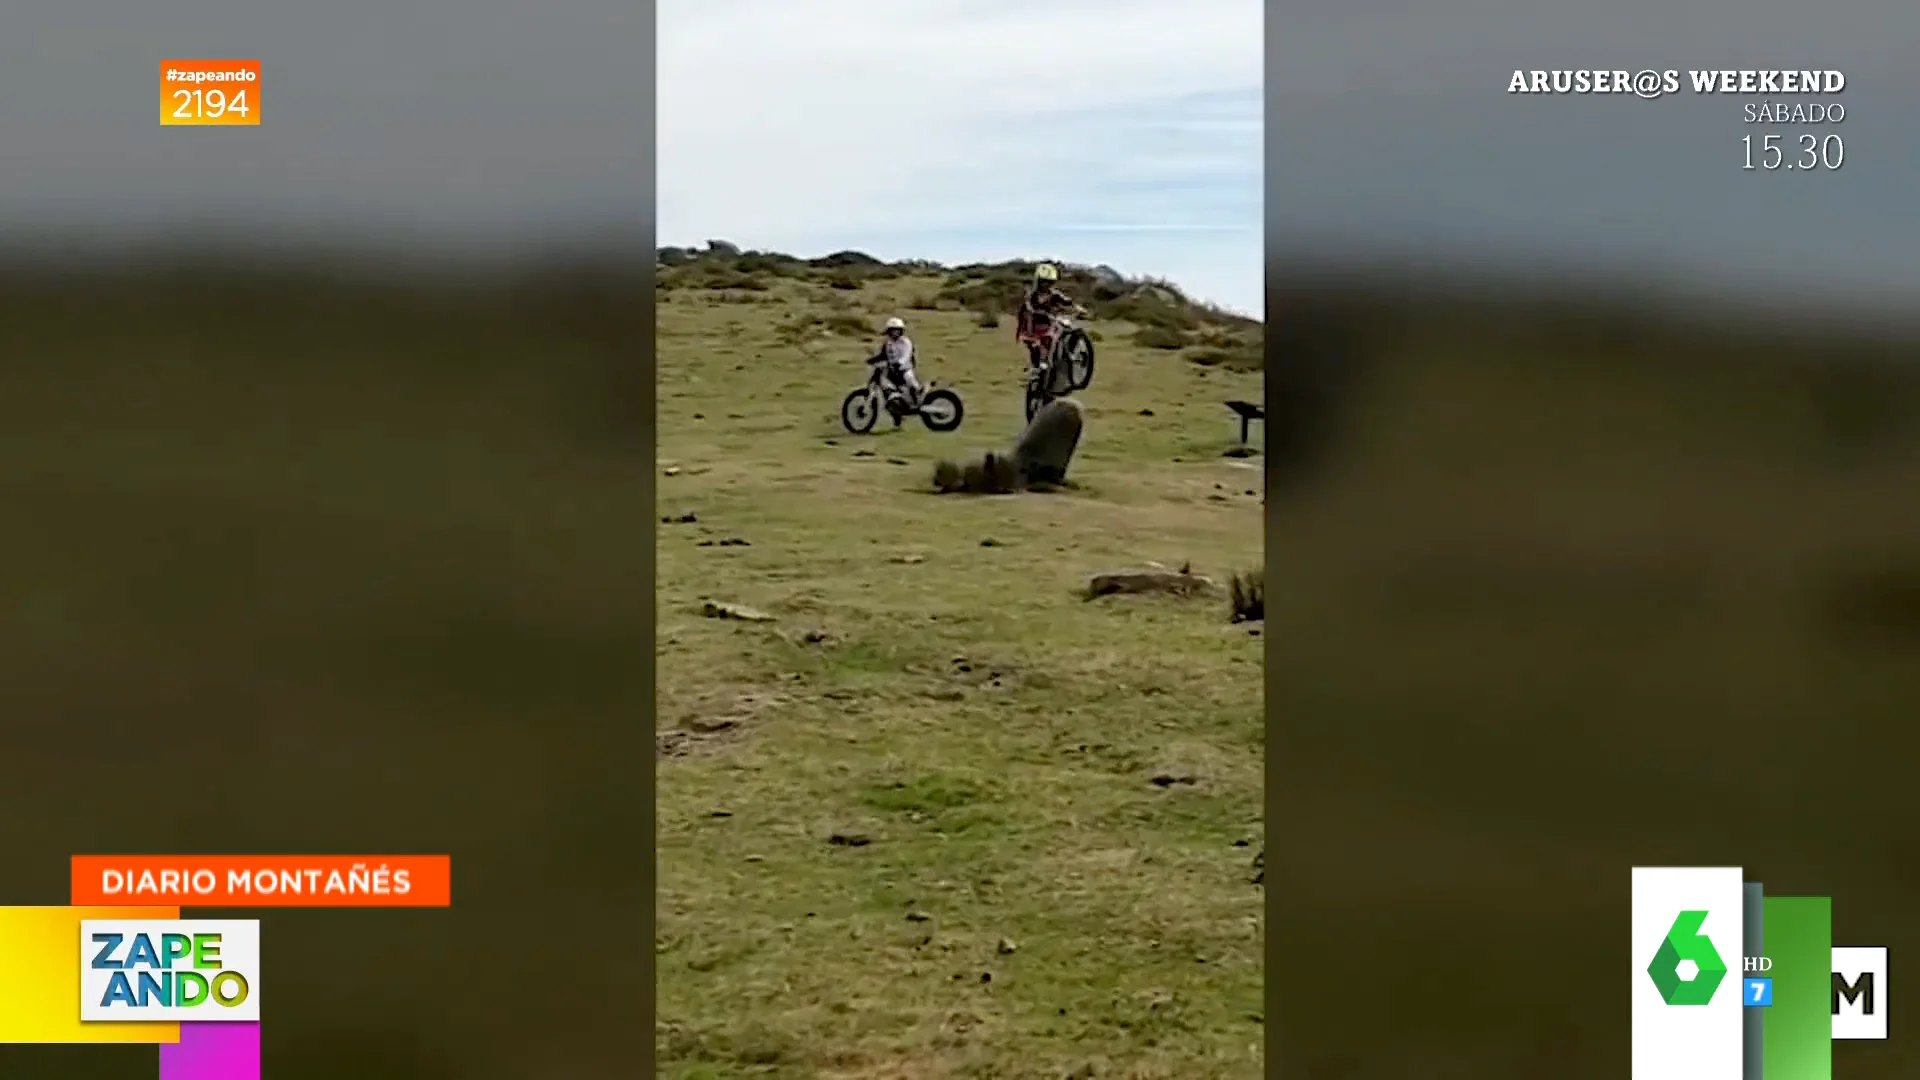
859 411
1076 353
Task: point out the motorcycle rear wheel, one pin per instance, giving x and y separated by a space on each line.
1036 397
942 410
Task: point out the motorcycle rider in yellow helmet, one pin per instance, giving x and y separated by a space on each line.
1043 301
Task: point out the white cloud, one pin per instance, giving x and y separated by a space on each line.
1093 131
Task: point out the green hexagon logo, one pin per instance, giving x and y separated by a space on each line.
1685 943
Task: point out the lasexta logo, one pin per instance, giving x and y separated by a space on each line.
1686 945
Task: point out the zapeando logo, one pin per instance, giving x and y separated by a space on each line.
169 969
1684 944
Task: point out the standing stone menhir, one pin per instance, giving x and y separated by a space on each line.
1040 457
1046 447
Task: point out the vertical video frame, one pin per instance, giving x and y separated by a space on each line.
961 496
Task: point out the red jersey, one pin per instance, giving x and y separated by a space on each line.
1037 310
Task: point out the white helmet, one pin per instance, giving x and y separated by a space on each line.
896 323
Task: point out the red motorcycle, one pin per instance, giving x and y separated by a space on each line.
1067 366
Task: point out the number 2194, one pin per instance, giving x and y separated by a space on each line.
1813 152
213 103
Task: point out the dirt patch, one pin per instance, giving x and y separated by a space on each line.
706 725
983 675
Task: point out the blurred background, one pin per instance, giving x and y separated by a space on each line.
326 482
1599 531
327 494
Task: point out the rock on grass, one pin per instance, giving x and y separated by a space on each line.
1169 582
715 609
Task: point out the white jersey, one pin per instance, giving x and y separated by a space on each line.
898 351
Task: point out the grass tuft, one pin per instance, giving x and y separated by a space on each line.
1247 596
990 474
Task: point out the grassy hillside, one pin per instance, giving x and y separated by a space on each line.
1150 313
945 816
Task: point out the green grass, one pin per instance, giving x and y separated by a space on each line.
992 735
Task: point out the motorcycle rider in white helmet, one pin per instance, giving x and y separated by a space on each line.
896 351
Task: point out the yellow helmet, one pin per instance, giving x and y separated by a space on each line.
1046 272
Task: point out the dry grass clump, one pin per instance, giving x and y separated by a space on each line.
1247 596
990 474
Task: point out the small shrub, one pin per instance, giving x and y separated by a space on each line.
1146 307
987 321
842 282
1247 597
1160 337
761 262
978 295
800 329
1164 286
991 474
924 302
848 325
946 476
843 259
1240 356
748 282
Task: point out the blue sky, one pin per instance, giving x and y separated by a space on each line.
1121 132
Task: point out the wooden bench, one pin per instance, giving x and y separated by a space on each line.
1248 412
